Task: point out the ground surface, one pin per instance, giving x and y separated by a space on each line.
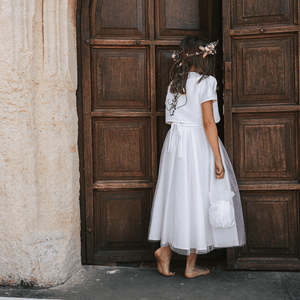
130 283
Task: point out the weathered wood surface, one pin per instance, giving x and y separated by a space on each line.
262 128
126 49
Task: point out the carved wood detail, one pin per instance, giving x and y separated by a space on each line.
119 18
120 78
121 148
265 71
265 146
254 12
115 230
270 219
171 21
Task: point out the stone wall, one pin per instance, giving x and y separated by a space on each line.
39 168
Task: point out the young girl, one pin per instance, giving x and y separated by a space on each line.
193 163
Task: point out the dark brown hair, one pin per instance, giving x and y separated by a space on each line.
181 67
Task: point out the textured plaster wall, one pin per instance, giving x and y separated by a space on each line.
39 168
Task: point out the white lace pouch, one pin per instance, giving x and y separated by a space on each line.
221 211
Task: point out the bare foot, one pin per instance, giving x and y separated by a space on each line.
195 272
163 257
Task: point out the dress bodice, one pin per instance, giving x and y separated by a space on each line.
188 109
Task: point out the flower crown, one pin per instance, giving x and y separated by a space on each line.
209 49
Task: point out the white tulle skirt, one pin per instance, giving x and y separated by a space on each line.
181 201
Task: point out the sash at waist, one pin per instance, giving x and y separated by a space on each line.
186 124
179 126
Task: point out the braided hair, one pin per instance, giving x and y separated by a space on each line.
185 58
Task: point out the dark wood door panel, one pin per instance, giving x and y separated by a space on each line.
272 234
256 12
265 70
265 146
121 148
181 18
116 18
120 77
121 217
271 222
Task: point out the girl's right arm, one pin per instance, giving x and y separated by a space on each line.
211 133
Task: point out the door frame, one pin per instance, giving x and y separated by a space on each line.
80 112
231 253
80 134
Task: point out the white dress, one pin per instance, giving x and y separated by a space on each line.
179 215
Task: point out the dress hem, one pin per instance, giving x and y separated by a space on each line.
187 252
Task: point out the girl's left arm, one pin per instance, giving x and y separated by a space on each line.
211 133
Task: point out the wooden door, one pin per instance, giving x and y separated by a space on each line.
126 48
261 54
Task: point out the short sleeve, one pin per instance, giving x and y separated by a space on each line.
208 89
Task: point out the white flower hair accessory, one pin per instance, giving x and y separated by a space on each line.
177 57
209 49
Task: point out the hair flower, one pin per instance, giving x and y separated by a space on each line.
209 49
176 56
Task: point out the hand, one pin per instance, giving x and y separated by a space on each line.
220 172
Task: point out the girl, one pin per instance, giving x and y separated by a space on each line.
193 163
